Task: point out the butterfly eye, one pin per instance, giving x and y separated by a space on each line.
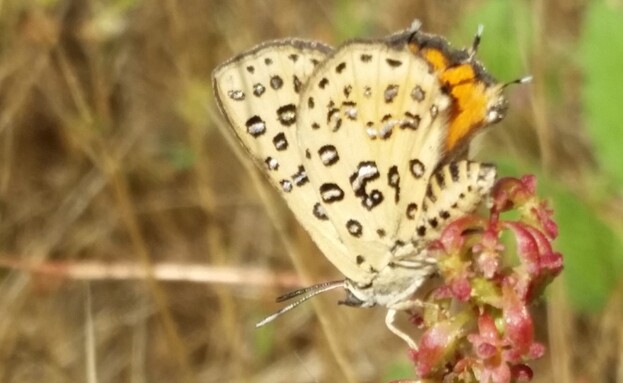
497 111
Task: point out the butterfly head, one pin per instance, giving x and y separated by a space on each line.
497 104
393 285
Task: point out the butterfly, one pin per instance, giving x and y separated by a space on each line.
367 145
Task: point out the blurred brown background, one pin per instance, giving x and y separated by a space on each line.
112 154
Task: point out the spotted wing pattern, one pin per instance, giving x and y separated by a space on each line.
258 92
355 139
374 118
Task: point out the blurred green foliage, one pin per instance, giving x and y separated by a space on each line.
502 42
601 57
590 248
398 370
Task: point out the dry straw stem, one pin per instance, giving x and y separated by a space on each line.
164 272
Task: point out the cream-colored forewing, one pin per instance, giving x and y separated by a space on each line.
258 92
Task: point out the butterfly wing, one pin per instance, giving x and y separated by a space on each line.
258 92
374 117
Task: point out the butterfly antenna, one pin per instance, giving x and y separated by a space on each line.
305 290
308 292
414 28
477 38
521 80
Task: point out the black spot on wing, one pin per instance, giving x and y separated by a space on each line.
300 177
286 186
366 172
417 168
280 142
411 210
411 121
296 83
348 90
433 222
393 63
434 111
354 228
390 93
271 163
286 114
421 231
418 93
454 171
276 82
330 192
430 193
397 245
258 90
255 126
236 95
393 180
319 212
440 179
328 155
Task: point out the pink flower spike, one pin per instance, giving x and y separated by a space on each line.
536 351
487 332
481 281
488 252
542 242
549 261
486 350
527 246
522 373
509 192
461 289
452 238
436 344
529 183
552 262
543 214
519 328
494 373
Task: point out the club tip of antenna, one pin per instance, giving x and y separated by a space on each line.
480 29
415 26
521 80
265 321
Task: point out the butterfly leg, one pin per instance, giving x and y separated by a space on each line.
389 322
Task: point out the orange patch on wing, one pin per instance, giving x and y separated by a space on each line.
436 58
457 74
469 100
469 111
470 94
